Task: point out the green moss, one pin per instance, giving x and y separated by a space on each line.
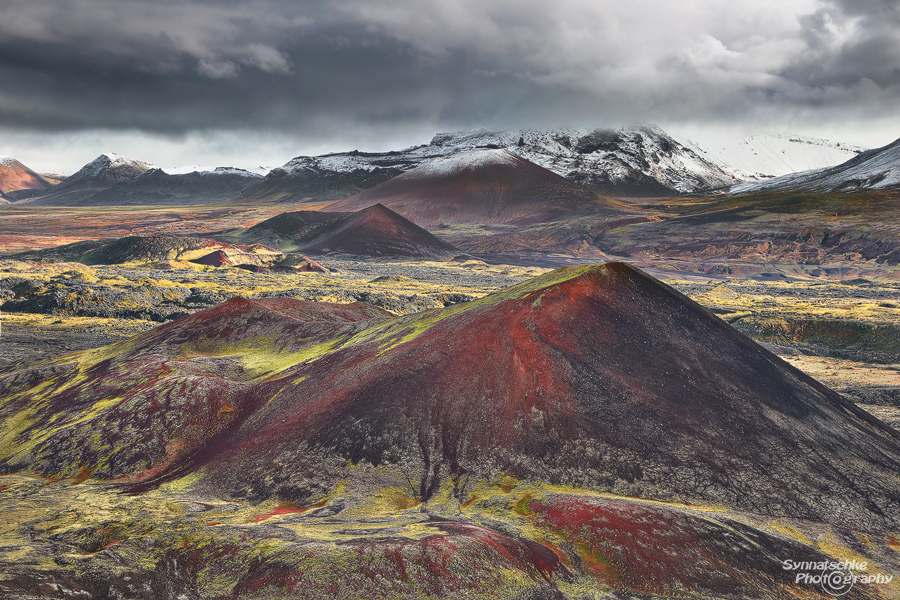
403 330
522 506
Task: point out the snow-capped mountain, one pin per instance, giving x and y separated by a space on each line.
759 157
642 160
334 176
637 161
110 168
876 169
100 174
188 169
111 179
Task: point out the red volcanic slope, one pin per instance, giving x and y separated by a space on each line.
308 265
214 259
16 176
480 186
374 231
595 376
644 548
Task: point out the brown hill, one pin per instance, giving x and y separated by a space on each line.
482 185
375 231
16 176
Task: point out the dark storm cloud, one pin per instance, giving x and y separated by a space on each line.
314 67
850 43
170 67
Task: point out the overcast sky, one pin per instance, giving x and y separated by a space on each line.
257 82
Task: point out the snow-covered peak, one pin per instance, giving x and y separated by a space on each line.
461 161
9 161
109 167
110 160
606 158
234 171
117 160
637 160
346 162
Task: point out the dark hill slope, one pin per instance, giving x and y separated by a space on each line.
482 185
374 231
133 248
155 186
600 377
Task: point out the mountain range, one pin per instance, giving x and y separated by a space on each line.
636 161
630 162
111 179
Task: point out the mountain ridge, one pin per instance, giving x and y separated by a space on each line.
111 179
635 161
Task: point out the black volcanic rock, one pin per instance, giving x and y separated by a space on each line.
375 231
600 139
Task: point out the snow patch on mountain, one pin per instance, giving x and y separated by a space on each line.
9 161
759 157
461 161
876 169
188 169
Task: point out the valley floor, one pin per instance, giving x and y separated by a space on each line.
70 537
